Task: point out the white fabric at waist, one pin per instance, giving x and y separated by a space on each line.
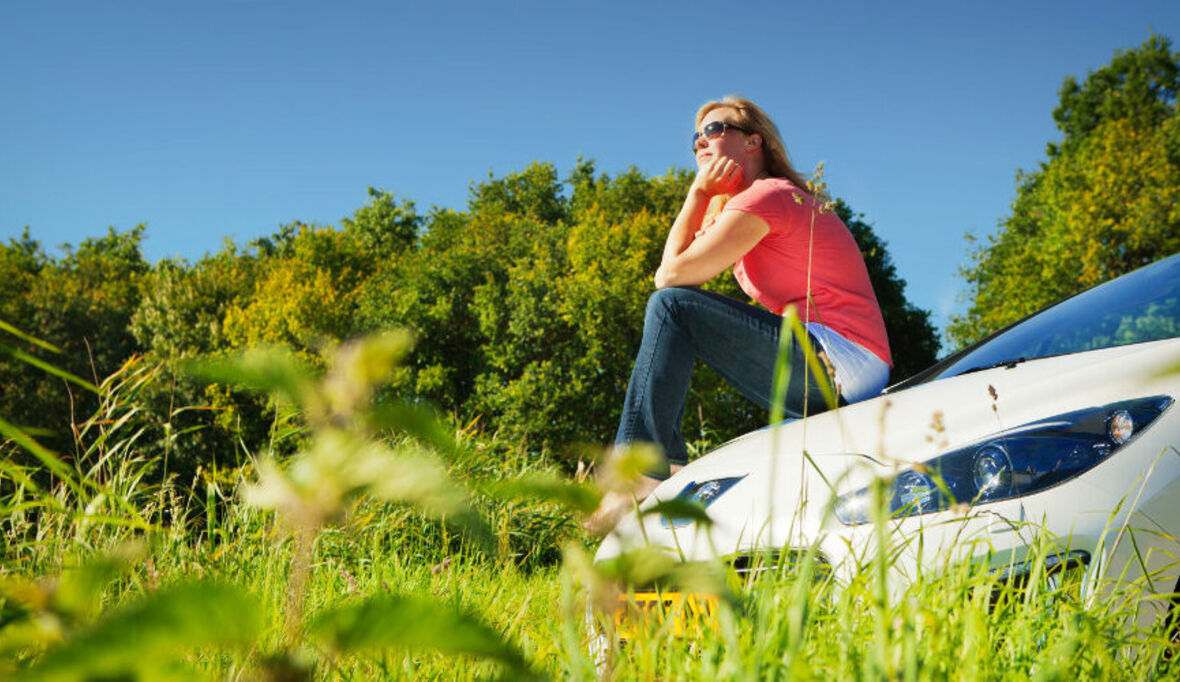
860 374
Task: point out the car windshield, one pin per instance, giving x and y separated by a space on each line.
1141 306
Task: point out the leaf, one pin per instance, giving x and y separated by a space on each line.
424 483
370 360
80 590
654 567
157 630
355 368
418 421
266 369
416 623
624 466
319 483
680 508
579 497
644 566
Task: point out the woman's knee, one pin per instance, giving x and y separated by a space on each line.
665 301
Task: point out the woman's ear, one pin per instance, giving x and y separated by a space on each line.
754 140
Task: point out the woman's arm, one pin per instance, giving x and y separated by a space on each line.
731 237
689 259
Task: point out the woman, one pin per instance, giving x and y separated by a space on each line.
747 208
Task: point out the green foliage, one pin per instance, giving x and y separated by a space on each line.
1106 201
342 459
383 227
80 304
1140 84
184 307
533 193
526 308
183 315
297 287
304 294
434 293
21 261
55 627
148 640
96 462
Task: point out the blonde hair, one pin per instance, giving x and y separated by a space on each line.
750 117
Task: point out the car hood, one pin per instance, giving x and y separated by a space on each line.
788 475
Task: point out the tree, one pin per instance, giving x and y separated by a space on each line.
1139 85
1106 201
564 326
913 340
432 288
304 294
309 278
182 316
298 287
528 307
384 226
82 304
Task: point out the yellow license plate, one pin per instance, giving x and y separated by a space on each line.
691 614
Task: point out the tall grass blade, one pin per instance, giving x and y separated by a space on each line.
42 453
48 368
35 362
4 326
19 476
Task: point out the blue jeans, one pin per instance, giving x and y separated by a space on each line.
738 340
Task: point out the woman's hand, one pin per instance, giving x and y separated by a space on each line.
690 259
720 175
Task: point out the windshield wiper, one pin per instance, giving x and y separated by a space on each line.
1007 364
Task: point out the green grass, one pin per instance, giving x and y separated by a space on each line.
319 567
940 628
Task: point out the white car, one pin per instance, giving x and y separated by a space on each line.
1063 422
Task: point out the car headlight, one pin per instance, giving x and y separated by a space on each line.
1016 462
703 493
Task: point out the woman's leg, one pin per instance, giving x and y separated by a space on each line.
740 341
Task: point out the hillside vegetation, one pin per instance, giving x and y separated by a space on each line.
526 311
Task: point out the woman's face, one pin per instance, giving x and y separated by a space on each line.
729 143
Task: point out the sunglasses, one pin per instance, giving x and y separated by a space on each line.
712 130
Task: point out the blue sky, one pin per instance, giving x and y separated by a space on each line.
225 119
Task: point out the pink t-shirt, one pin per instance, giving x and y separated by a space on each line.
774 272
